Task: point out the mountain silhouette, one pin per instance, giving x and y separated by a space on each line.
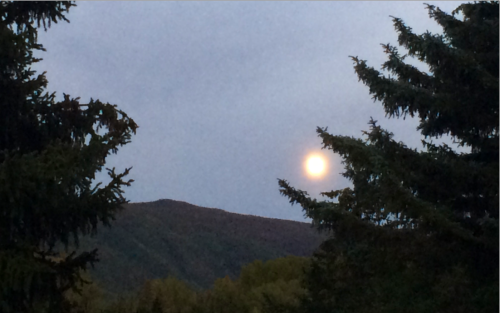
198 245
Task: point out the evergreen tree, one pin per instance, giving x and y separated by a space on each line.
49 154
418 231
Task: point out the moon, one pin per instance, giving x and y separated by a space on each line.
315 165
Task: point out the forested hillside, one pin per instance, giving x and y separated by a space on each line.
195 244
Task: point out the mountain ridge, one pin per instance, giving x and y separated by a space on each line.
162 238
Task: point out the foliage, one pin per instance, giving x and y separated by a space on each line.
90 298
272 286
261 287
418 231
49 153
170 293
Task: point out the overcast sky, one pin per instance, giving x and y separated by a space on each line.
228 95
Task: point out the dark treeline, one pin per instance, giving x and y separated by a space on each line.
417 231
272 286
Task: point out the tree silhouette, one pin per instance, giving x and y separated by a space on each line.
49 154
418 231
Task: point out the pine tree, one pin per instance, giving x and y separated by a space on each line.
49 154
418 231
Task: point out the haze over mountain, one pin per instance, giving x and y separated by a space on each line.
196 244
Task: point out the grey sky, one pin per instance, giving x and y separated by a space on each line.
228 95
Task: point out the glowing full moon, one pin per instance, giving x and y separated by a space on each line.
315 166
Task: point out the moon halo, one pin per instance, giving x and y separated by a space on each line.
315 165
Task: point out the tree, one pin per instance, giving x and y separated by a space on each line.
275 285
167 295
49 154
271 286
418 231
89 299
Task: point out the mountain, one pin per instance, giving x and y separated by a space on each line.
195 244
